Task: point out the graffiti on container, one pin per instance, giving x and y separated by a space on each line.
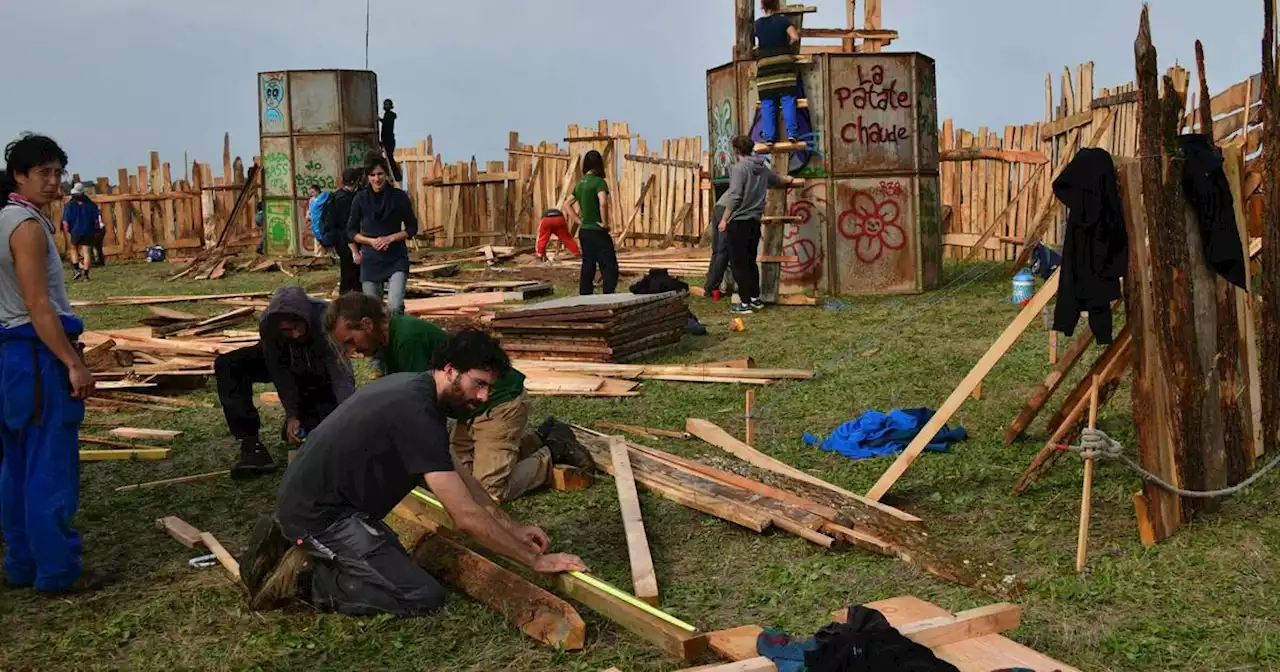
278 216
356 149
871 222
722 138
313 173
817 164
275 170
272 98
873 95
801 239
930 209
927 114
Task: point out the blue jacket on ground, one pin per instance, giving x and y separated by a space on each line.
874 434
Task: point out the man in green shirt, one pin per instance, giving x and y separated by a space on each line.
491 442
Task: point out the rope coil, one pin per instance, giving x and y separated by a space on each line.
1096 445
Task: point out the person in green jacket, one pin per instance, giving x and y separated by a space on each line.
491 442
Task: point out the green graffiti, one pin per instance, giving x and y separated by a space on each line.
930 209
275 168
356 149
279 222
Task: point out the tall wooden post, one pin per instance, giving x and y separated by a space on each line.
1269 328
744 17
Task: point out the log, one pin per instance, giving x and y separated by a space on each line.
536 612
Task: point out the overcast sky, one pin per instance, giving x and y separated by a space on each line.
114 80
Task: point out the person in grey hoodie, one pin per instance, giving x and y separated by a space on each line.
294 354
749 181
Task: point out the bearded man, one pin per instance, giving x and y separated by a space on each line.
492 440
365 457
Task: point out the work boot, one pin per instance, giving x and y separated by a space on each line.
254 460
90 580
289 580
564 445
267 544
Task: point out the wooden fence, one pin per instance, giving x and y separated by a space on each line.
660 196
997 187
149 207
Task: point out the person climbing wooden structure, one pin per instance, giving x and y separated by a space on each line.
868 218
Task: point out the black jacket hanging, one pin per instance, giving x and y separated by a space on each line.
1205 185
1095 249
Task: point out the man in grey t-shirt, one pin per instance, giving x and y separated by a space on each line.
46 382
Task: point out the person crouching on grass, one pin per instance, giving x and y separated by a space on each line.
589 201
389 438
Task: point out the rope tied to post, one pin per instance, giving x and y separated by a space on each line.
1096 445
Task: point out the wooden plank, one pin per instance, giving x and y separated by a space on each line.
180 530
1251 402
678 642
709 432
134 454
1000 219
1045 390
643 578
644 431
735 643
536 612
224 558
174 481
980 370
757 664
976 153
144 433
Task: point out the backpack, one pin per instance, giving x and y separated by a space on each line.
317 224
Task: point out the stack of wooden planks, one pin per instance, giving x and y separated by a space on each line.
714 372
677 261
595 328
527 289
775 497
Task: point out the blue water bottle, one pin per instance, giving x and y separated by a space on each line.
1024 286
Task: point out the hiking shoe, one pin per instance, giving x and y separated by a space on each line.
287 583
741 309
267 544
254 461
693 326
564 445
90 580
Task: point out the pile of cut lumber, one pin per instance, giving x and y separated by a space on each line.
678 261
714 372
214 265
761 498
594 328
527 289
175 349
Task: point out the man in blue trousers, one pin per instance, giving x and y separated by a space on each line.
43 381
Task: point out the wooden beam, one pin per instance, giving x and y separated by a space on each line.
681 643
757 664
1045 390
643 578
942 630
1053 129
976 153
1118 99
881 34
567 478
980 370
663 162
536 612
180 530
224 558
145 433
709 432
141 454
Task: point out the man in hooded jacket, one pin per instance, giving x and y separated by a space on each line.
293 354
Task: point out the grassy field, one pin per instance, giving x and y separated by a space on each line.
1205 600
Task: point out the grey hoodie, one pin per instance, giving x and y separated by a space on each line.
749 181
313 359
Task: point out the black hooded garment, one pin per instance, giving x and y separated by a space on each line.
1207 190
1095 250
311 358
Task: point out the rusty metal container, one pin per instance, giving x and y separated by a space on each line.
312 125
870 212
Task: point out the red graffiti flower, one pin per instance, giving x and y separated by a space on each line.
872 226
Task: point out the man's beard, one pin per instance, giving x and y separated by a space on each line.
453 401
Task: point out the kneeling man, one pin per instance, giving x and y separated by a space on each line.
490 441
369 454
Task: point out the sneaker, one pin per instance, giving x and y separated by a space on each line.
79 274
90 580
254 461
286 583
564 445
756 304
741 309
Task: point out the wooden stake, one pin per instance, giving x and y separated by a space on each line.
1086 496
751 422
173 481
